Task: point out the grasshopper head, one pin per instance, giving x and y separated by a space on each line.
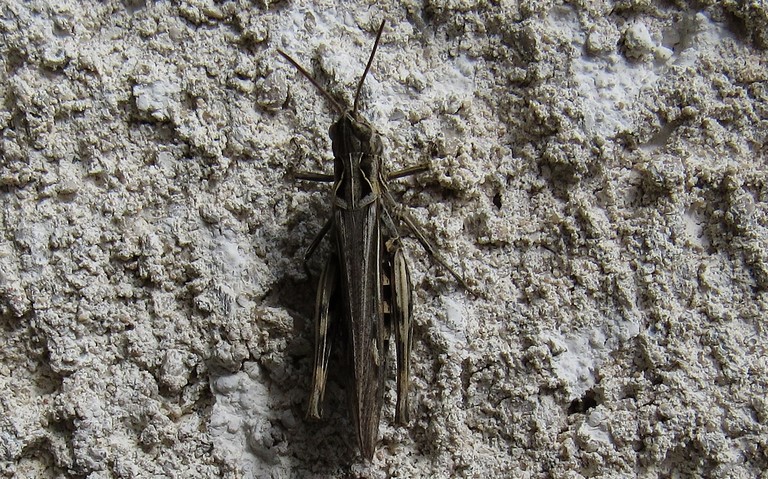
352 133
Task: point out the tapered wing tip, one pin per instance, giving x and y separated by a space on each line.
368 439
367 451
368 442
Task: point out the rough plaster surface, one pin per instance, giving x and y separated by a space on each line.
598 171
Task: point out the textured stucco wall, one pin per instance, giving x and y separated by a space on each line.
597 171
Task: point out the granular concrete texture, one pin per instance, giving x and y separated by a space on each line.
598 172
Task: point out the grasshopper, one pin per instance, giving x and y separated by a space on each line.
365 289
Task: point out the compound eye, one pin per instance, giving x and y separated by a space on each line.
362 129
332 130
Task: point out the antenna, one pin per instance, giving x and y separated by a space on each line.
368 66
314 82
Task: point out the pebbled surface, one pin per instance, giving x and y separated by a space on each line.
598 172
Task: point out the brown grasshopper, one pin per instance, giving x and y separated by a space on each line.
365 287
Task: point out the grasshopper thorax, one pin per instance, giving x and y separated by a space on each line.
357 150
